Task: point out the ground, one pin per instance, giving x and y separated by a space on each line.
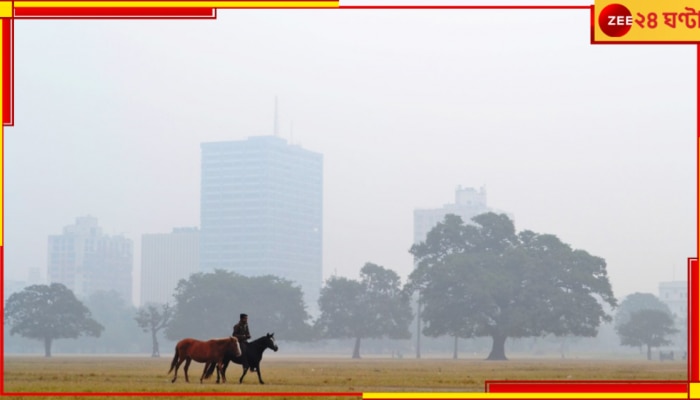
290 374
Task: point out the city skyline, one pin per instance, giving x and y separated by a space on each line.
466 201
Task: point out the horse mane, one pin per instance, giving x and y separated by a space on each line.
260 339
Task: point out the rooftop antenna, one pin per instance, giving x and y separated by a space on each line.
276 130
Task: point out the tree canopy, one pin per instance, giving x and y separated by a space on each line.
485 279
372 307
637 302
207 305
646 327
47 313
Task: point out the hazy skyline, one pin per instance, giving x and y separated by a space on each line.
595 144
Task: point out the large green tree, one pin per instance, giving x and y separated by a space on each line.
647 327
633 303
207 305
373 307
47 313
485 279
151 318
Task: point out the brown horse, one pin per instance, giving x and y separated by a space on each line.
210 351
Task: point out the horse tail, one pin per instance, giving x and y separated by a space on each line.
174 363
210 370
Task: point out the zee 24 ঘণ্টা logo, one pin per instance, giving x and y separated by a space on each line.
616 20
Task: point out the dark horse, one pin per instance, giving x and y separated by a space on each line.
212 351
252 354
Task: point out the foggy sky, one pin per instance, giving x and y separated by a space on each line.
595 144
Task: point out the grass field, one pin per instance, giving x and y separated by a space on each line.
284 376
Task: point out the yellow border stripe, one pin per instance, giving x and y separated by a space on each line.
6 9
174 4
472 395
694 390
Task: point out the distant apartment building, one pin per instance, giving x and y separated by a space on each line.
86 260
262 211
675 295
468 204
165 259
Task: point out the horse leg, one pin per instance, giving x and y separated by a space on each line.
245 370
223 370
204 372
187 366
177 366
259 377
220 367
209 369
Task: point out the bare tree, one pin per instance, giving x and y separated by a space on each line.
152 318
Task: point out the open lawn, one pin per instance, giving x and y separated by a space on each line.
287 375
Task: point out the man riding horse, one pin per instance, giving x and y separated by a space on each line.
240 331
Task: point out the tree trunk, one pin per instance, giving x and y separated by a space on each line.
648 352
418 327
156 351
498 349
47 347
454 352
356 350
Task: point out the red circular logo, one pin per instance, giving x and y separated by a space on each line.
615 20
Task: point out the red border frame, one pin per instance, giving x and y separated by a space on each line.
544 386
114 13
693 323
8 78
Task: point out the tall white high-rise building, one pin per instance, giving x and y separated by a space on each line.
86 260
262 211
165 259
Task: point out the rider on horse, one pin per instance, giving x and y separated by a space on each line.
240 330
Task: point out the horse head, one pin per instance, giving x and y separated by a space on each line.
270 342
237 347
